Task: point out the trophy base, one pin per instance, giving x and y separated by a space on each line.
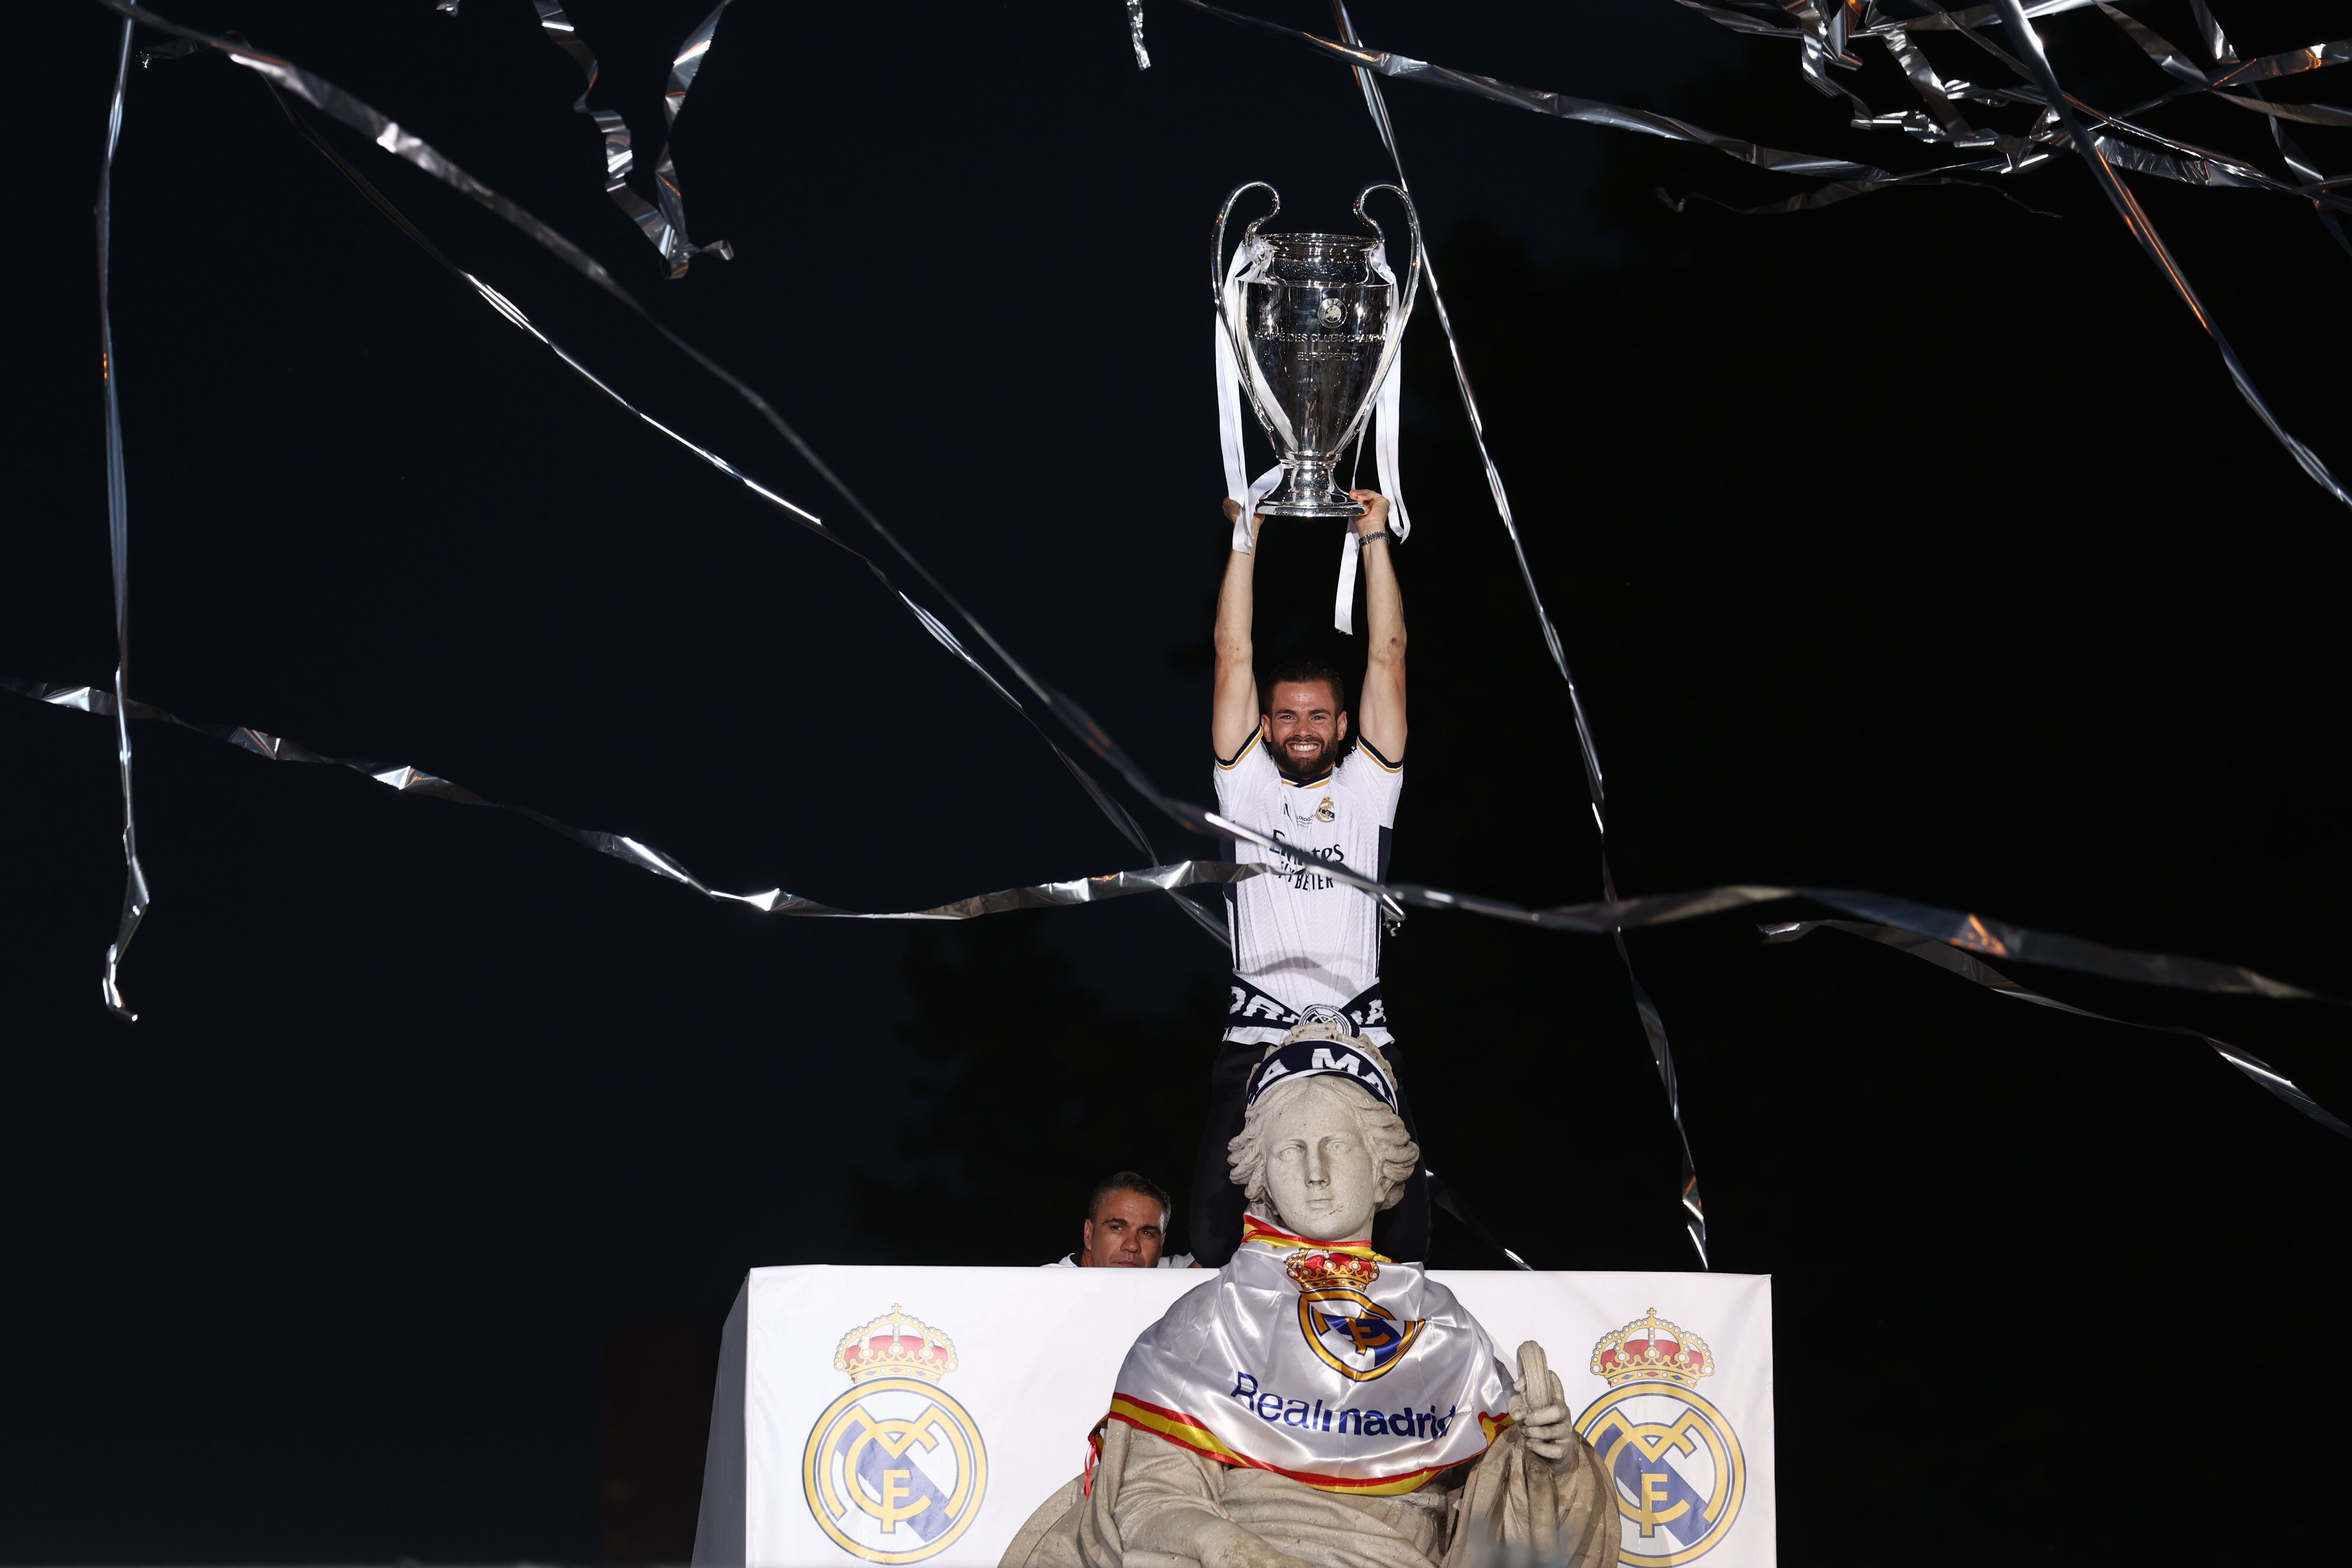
1309 492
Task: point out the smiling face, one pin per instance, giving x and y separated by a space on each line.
1304 725
1319 1171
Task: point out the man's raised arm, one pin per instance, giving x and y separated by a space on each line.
1233 711
1379 712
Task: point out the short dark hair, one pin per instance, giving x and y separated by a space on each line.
1129 1181
1304 669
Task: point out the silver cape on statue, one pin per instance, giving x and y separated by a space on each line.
1342 1408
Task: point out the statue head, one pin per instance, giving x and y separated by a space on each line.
1322 1148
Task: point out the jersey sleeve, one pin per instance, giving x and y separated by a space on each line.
1245 781
1374 779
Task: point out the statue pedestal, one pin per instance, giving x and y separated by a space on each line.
931 1437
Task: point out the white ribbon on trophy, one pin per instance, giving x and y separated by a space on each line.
1387 400
1244 493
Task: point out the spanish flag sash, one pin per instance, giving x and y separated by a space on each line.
1322 1362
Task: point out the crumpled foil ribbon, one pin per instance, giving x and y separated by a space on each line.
136 896
2097 152
1827 32
664 225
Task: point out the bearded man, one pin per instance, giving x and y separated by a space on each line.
1307 946
1316 1405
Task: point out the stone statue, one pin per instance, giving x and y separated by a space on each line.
1317 1405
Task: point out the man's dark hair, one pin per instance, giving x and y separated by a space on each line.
1129 1181
1304 669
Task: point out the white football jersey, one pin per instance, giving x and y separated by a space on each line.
1298 934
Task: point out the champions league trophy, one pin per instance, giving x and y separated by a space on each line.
1313 321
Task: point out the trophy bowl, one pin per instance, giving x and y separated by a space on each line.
1314 321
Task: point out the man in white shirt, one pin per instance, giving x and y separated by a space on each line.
1125 1227
1306 947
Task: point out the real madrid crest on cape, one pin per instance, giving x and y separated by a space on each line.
1322 1362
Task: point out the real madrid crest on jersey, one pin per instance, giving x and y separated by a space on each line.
1679 1472
1347 1329
1325 811
894 1469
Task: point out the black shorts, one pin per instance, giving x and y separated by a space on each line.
1214 1224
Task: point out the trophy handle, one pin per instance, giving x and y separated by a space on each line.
1217 241
1276 428
1217 269
1413 222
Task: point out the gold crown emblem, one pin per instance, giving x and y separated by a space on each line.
895 1345
1652 1350
1332 1271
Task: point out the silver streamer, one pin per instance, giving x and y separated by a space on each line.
409 780
1559 105
1954 938
1653 1026
664 225
389 136
135 897
1117 814
1962 930
1991 979
2135 219
1827 32
1135 35
1612 917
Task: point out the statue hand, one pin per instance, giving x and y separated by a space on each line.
1539 1406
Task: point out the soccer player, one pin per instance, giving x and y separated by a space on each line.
1306 947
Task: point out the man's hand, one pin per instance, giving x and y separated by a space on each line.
1539 1406
1374 520
1232 510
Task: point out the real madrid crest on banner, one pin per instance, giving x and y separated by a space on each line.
1347 1329
1679 1472
895 1469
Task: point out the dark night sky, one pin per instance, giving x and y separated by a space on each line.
1918 543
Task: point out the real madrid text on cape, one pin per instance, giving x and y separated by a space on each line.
1322 1362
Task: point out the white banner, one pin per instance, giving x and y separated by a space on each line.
921 1415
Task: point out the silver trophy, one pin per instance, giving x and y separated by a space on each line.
1314 321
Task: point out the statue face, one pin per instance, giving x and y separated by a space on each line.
1318 1168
